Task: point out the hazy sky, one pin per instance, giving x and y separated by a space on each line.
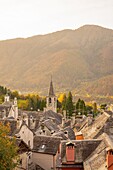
25 18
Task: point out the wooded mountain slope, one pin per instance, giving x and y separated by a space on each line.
80 59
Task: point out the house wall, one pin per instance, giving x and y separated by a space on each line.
47 131
43 160
27 135
24 162
11 113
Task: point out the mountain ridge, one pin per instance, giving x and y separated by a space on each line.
71 56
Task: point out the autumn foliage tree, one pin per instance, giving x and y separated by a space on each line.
62 100
8 149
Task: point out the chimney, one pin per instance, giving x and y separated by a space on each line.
79 136
19 122
15 108
110 159
64 114
7 98
70 153
72 121
63 121
15 101
90 119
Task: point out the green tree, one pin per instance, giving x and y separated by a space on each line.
23 104
3 90
42 104
14 94
89 109
8 149
80 107
95 107
103 106
69 104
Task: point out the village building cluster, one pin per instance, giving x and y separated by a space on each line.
50 141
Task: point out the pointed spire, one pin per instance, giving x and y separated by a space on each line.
51 90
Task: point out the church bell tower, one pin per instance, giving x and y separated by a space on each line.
51 100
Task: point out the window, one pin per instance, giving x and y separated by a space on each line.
20 162
49 100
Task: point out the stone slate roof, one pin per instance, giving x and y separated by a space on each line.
39 168
82 151
46 144
23 147
18 130
51 125
51 114
83 123
67 123
65 134
101 124
71 134
36 116
47 117
61 135
7 104
97 159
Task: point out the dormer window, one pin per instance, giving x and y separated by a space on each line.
43 146
31 117
44 131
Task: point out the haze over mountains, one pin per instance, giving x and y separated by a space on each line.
80 60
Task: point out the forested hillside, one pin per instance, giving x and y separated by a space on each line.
80 60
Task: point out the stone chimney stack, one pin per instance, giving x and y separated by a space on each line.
15 108
63 122
6 98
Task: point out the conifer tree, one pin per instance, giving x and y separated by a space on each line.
69 104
